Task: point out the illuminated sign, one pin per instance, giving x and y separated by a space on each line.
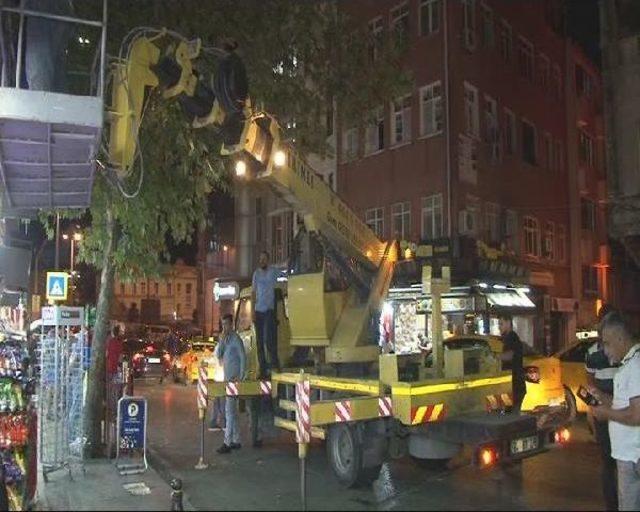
225 291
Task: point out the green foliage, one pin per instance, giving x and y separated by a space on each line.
299 55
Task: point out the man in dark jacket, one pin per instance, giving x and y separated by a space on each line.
512 360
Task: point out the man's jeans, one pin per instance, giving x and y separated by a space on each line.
267 334
628 485
608 475
232 428
217 415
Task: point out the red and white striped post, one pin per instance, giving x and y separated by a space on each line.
303 430
203 393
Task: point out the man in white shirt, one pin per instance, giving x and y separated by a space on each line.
623 410
263 299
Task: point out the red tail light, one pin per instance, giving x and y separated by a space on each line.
487 455
562 436
149 348
532 374
166 357
137 357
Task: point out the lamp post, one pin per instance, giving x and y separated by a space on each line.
76 237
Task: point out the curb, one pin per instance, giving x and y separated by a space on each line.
161 466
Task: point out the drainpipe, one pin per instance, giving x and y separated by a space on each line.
448 118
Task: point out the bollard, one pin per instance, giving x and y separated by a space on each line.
176 495
303 431
202 409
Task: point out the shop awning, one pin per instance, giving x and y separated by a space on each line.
510 299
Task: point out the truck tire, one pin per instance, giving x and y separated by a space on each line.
572 408
346 457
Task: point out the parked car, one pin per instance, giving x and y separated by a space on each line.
185 366
572 360
148 358
546 394
133 349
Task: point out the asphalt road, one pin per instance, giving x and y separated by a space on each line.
268 478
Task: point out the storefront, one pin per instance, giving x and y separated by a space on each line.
405 321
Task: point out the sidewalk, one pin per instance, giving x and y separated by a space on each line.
101 488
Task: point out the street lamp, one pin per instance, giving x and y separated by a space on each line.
76 237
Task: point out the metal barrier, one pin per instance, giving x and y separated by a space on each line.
61 397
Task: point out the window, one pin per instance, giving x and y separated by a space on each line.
375 132
488 31
531 237
350 144
559 156
525 59
492 222
557 82
400 23
121 288
562 243
179 287
281 232
469 30
169 289
544 73
374 218
510 132
506 41
401 120
156 288
512 231
135 289
188 288
588 214
472 121
328 122
583 82
548 247
431 113
143 288
376 40
401 220
576 354
589 280
548 151
491 126
585 148
528 142
432 217
429 16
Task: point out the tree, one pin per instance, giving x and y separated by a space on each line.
300 56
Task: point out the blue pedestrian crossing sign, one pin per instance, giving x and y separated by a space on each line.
57 285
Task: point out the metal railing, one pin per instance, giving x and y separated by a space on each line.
24 13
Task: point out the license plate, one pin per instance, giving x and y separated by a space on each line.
154 359
524 444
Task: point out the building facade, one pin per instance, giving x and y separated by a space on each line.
175 292
620 36
490 147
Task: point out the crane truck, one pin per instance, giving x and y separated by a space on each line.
366 405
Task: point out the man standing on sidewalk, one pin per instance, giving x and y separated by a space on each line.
623 410
600 373
230 351
263 299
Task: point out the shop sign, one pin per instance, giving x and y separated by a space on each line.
448 304
225 291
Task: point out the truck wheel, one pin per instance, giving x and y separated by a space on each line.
346 457
572 408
